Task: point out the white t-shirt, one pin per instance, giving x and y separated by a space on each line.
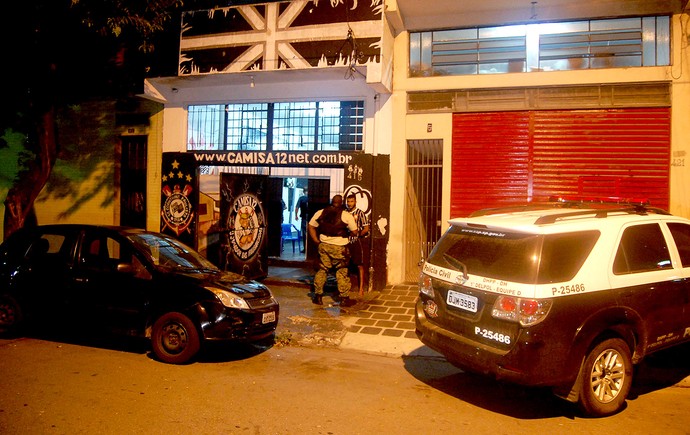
346 217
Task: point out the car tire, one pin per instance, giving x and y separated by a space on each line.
11 315
175 339
266 342
607 375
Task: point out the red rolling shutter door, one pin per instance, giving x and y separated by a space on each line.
491 154
512 157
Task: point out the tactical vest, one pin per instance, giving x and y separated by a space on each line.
331 223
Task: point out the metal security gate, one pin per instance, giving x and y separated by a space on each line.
422 227
503 158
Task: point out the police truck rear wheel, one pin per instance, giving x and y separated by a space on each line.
606 378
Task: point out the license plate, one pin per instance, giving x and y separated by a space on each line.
268 317
462 301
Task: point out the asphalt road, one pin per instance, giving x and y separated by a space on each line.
54 387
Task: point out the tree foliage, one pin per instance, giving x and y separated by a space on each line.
59 53
139 21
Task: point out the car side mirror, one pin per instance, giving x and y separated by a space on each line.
126 268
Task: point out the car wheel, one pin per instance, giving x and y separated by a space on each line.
11 315
266 342
607 377
175 339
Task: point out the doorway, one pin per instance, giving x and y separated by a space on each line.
133 181
422 223
294 200
284 187
300 198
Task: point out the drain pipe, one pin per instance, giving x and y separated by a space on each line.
371 247
377 106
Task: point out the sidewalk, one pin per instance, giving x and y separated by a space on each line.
382 323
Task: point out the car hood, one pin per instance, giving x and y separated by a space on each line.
230 281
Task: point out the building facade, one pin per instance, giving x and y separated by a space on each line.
508 102
477 108
424 112
274 100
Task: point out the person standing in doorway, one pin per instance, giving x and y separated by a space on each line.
330 229
302 212
356 248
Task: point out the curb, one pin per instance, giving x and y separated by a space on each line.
382 328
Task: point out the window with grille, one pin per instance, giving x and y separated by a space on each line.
626 42
246 126
288 126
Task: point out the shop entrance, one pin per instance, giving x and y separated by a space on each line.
220 208
282 225
299 198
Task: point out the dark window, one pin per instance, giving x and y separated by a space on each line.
681 235
49 257
39 249
562 255
103 252
642 249
49 247
523 258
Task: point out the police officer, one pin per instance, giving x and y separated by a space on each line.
330 229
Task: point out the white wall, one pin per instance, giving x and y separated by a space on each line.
680 119
415 125
239 91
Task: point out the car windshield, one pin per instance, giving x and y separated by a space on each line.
170 253
517 257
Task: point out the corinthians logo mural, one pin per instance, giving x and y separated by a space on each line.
247 218
243 217
177 199
177 210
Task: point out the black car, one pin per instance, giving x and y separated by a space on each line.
131 282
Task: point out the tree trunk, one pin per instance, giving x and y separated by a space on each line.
19 204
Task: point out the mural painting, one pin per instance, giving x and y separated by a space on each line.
74 182
243 225
179 194
281 35
366 179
